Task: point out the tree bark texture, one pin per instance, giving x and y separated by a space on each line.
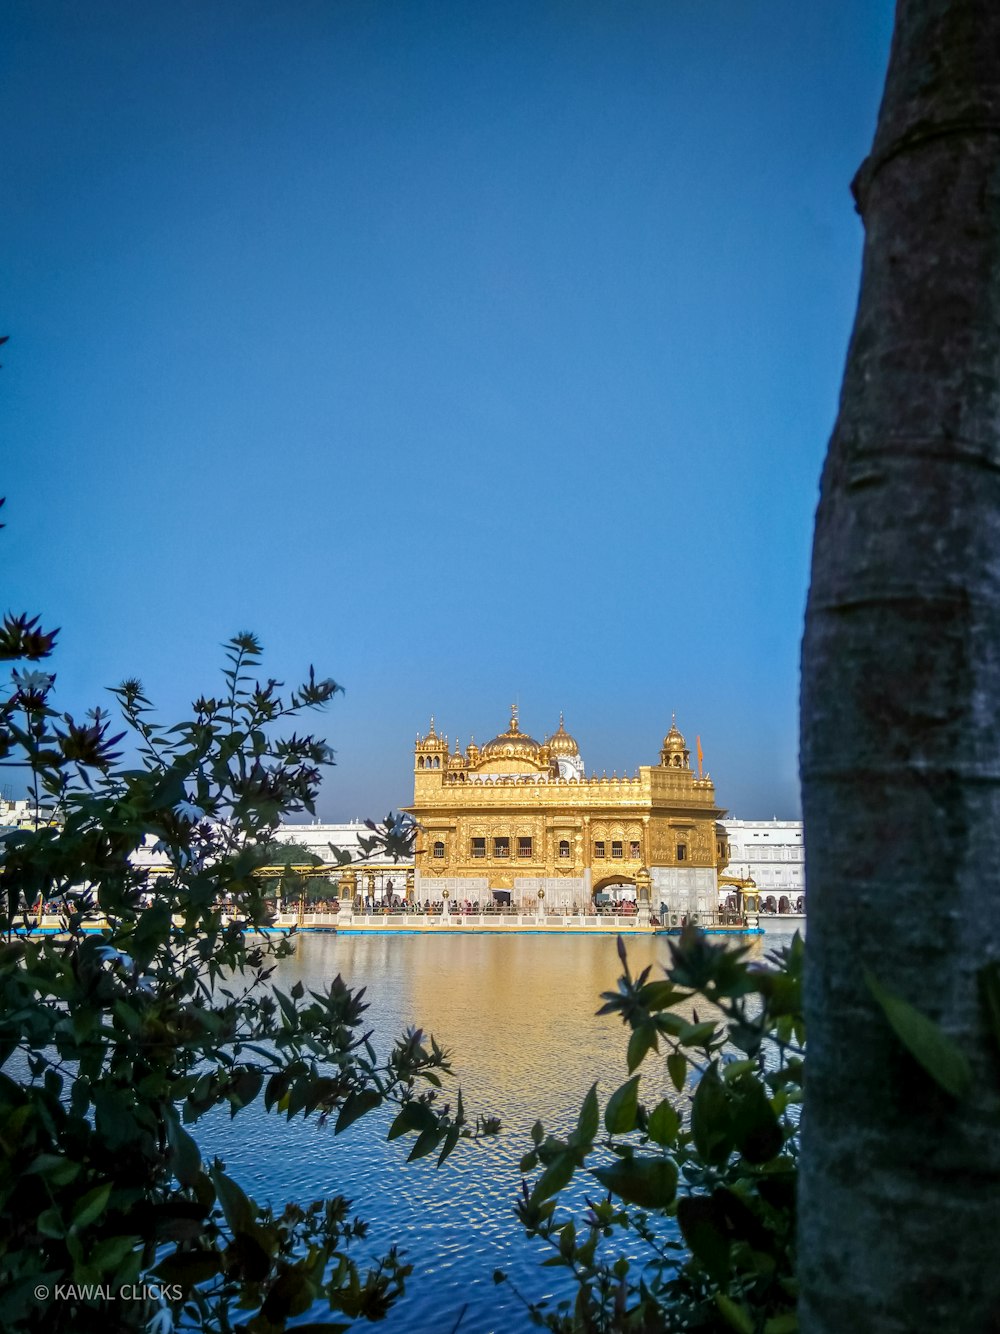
900 743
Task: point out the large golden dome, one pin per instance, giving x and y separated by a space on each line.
561 743
512 744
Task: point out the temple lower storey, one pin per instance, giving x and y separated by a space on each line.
552 924
346 922
518 823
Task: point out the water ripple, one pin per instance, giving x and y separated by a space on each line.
517 1015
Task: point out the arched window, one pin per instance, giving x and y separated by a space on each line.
682 852
420 762
439 850
564 847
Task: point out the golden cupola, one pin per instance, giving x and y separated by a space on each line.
456 760
675 754
512 744
561 743
431 750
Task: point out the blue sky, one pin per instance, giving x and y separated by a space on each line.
471 352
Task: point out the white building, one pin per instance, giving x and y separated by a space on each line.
772 853
319 838
381 877
23 814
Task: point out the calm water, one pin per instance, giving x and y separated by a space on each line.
517 1014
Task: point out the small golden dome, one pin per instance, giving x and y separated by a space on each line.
561 743
432 742
457 759
674 752
512 744
673 741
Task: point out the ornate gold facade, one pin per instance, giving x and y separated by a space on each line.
518 816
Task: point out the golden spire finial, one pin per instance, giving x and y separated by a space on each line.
431 732
513 718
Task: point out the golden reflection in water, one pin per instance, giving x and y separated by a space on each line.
518 1016
517 1013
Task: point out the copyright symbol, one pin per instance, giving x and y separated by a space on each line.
41 1292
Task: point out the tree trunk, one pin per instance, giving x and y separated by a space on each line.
900 1182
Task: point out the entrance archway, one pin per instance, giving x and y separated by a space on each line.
615 892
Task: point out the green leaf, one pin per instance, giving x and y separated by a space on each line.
64 988
710 1119
185 1156
288 1010
642 1039
426 1142
53 1167
50 1223
589 1119
152 929
620 1113
648 1182
924 1040
657 995
733 1069
557 1175
413 1115
736 1317
108 1254
292 1293
786 1323
115 1121
697 1035
664 1123
754 1126
245 1086
450 1140
90 1206
703 1228
356 1104
236 1206
677 1068
189 1268
277 1087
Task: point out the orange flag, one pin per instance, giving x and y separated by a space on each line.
700 756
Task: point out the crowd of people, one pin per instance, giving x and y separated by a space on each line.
464 907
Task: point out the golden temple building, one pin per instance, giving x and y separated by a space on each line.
518 820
